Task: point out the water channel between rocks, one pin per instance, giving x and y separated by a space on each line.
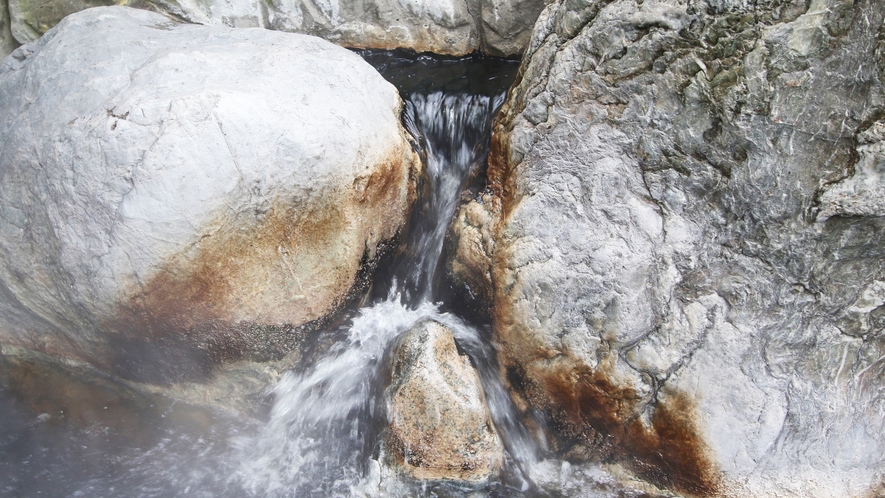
320 434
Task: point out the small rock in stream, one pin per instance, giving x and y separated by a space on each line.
440 426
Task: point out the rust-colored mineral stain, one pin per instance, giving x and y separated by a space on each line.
587 408
240 269
258 268
285 268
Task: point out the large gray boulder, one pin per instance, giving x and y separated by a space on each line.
456 27
440 427
177 195
506 25
685 241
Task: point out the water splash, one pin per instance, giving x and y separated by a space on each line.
322 437
323 427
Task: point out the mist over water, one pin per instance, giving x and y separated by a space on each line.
322 438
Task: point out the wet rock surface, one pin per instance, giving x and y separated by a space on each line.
76 393
687 230
454 27
177 195
439 425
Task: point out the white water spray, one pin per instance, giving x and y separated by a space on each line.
325 422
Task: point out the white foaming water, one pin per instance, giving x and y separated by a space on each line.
325 423
322 435
322 429
453 130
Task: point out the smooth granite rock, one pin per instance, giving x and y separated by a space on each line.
688 264
439 427
176 195
456 27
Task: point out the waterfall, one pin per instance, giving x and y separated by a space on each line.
322 436
453 130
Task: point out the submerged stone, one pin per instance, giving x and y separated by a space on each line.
7 42
439 427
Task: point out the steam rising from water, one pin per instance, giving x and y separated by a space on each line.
321 438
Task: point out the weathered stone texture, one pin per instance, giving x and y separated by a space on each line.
688 257
498 27
179 194
506 25
440 427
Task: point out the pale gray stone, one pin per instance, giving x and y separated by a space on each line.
688 262
506 25
457 27
186 190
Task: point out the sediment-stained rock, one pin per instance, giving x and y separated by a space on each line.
177 195
472 243
455 27
688 257
439 425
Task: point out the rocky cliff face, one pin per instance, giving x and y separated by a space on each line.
457 27
177 195
685 241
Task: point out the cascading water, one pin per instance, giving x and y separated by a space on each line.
322 435
452 127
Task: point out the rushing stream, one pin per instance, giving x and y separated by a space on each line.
321 435
71 431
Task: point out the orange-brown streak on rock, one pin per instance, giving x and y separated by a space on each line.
383 188
586 407
197 309
231 269
672 448
289 269
498 170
